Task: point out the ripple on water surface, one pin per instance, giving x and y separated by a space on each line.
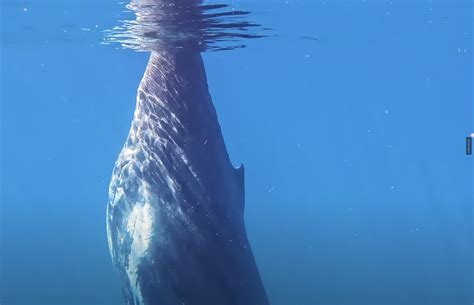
206 27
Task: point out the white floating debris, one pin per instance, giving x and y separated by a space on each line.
25 9
386 111
271 189
392 187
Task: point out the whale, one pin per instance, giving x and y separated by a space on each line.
175 213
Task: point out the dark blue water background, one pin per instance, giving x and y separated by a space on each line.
350 118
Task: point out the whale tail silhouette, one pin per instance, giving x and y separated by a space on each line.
175 218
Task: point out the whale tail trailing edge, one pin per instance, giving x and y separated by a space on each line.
240 173
240 182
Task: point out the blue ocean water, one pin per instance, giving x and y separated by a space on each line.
350 118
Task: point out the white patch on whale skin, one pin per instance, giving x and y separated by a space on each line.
140 223
140 228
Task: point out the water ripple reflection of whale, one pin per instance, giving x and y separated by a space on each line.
188 24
